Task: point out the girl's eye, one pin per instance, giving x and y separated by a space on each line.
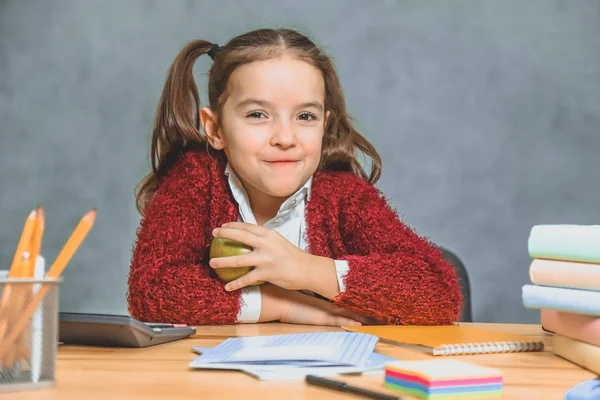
306 116
257 114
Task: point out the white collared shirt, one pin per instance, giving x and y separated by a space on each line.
290 222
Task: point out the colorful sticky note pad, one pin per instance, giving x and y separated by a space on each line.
443 379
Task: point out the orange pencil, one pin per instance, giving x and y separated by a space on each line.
72 244
15 303
57 268
17 269
36 242
16 266
21 350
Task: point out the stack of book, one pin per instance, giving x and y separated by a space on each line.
565 273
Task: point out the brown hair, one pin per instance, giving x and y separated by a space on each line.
177 120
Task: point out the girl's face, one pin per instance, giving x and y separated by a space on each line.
272 124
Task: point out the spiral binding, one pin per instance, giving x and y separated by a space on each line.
488 347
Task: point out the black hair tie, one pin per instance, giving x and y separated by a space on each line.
214 49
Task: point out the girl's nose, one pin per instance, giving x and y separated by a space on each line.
283 136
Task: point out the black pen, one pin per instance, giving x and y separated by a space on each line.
344 387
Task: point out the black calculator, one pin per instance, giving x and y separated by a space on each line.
108 330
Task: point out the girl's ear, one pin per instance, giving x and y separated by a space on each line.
208 119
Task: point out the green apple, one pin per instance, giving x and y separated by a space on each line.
226 248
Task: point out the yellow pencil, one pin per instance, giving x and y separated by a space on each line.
36 242
17 263
72 244
21 350
17 270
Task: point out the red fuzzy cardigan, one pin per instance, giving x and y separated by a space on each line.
395 276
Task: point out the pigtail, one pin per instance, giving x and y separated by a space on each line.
342 143
177 119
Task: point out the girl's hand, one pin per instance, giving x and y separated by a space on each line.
294 307
275 259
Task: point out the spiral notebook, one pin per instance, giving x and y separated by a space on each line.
451 340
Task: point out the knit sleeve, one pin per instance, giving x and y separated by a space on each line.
395 276
169 279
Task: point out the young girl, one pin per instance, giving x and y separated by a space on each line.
274 167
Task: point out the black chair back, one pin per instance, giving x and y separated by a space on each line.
463 279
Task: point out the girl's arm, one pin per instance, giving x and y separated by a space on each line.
294 307
395 276
169 279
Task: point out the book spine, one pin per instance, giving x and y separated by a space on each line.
488 347
569 300
585 328
583 354
565 242
574 275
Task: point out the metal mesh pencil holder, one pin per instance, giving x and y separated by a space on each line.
28 333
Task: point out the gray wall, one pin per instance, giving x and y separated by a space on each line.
486 115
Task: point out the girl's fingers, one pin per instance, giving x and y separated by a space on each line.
251 228
244 260
336 320
238 235
359 318
248 279
349 314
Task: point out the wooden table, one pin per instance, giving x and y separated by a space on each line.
162 371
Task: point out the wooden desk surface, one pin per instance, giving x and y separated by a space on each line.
162 371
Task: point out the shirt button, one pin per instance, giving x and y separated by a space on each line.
294 202
278 220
